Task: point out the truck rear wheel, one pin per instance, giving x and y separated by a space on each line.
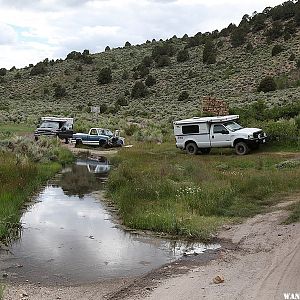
241 148
191 148
205 150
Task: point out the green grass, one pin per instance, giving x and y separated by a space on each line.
22 172
1 291
295 214
18 182
159 188
14 128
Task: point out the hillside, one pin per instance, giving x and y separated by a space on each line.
234 76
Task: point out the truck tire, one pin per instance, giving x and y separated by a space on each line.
103 144
191 148
241 148
78 143
205 150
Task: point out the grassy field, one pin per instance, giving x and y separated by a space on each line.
160 188
13 128
24 166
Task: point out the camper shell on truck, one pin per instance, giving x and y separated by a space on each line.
202 134
55 126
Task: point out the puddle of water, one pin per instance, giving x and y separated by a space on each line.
68 235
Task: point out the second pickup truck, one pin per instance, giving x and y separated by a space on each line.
99 137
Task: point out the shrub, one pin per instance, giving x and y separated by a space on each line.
184 95
87 59
298 64
107 48
18 75
60 91
39 68
142 70
121 100
103 108
104 76
139 90
267 84
275 32
281 131
183 55
150 81
237 37
277 49
209 53
3 72
74 55
147 61
131 129
163 61
249 46
292 57
258 22
166 49
287 36
125 75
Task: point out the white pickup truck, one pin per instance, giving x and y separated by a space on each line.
202 134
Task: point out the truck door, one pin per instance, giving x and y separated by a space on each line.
93 136
219 136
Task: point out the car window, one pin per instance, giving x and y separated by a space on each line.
189 129
52 125
219 128
94 132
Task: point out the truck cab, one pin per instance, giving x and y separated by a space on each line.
202 134
55 126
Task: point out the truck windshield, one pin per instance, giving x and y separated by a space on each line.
232 126
52 125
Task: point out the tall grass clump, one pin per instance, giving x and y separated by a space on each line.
24 167
158 188
1 291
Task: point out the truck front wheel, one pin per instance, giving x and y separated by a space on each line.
78 143
191 148
241 148
103 144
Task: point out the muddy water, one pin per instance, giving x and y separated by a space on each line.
68 236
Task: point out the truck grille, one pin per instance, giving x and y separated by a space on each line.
258 134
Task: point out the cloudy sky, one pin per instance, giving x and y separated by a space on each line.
31 30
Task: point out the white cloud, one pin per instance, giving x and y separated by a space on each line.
7 34
33 30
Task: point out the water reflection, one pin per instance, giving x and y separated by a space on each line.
99 165
86 176
68 234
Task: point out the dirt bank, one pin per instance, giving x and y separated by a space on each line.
259 259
